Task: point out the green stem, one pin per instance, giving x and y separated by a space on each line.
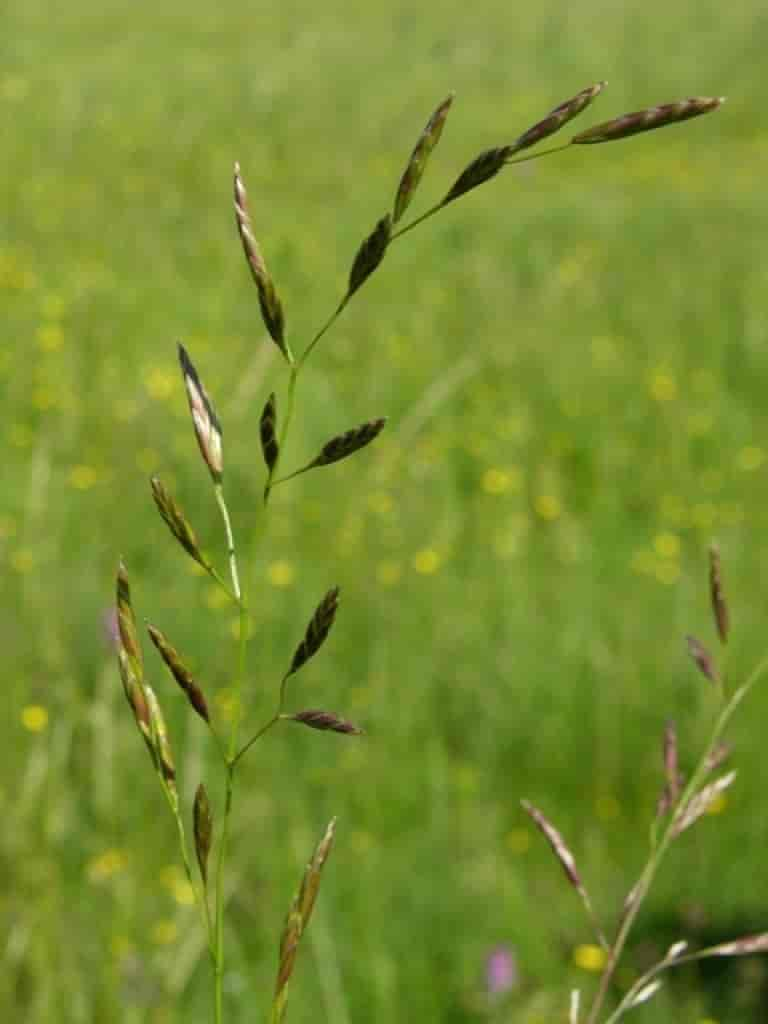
218 962
649 871
257 736
439 206
419 220
204 908
222 583
326 327
290 403
537 156
219 492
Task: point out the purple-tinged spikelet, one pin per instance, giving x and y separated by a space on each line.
370 254
204 419
180 672
326 721
717 595
417 163
176 521
703 659
270 448
317 631
202 822
269 302
558 117
648 120
297 920
484 167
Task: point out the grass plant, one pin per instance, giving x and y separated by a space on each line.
233 735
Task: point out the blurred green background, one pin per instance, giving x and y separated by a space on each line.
574 362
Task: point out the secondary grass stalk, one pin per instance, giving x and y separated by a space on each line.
657 855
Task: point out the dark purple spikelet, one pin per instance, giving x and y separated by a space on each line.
484 167
717 595
348 443
270 448
317 630
370 254
703 659
326 721
180 672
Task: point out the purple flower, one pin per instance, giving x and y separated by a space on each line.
109 625
501 973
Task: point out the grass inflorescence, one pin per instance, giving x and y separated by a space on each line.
681 803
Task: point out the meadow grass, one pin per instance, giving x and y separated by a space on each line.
573 364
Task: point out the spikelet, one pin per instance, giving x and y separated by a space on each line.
180 672
297 920
556 841
162 745
484 167
268 433
369 255
567 863
744 946
703 659
346 444
717 595
204 418
202 822
326 721
671 790
177 522
317 631
417 163
558 117
137 701
648 120
126 624
699 803
271 307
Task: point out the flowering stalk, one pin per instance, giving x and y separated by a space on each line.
274 430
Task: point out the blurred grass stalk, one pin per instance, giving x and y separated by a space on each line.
679 807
